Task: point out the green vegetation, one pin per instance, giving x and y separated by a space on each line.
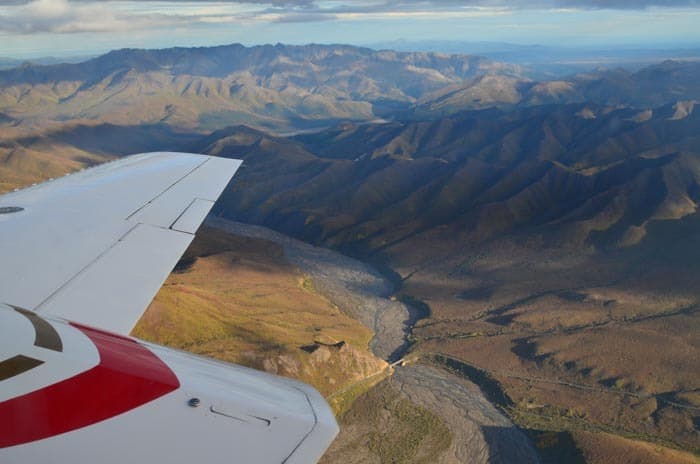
386 426
237 299
403 445
341 401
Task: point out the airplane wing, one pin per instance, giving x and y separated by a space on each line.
94 247
81 258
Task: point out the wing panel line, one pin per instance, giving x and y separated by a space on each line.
183 213
167 189
84 269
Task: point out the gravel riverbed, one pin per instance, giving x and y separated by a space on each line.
481 433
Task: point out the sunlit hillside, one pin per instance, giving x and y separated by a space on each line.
239 300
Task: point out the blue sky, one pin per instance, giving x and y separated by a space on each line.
33 28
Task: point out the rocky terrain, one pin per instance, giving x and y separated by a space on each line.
480 432
286 88
553 247
356 287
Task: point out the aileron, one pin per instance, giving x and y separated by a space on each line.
205 182
190 220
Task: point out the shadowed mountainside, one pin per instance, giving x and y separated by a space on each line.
570 179
28 155
554 246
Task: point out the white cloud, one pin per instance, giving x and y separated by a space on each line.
62 16
66 16
48 8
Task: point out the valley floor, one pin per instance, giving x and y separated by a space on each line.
466 404
480 432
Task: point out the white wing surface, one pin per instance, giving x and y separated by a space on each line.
94 247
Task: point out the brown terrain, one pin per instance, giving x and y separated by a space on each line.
556 275
239 300
281 87
536 240
419 399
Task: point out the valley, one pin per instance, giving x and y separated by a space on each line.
526 250
369 297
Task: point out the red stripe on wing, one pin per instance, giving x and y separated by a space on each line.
128 376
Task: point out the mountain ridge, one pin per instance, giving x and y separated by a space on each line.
280 87
482 173
649 87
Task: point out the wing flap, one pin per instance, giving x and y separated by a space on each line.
111 291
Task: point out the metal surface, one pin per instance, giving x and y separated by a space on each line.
190 220
94 248
134 404
113 291
83 248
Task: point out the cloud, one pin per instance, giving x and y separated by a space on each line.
48 8
537 4
304 17
62 16
71 16
427 4
628 4
387 5
319 9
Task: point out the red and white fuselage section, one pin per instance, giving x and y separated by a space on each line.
75 394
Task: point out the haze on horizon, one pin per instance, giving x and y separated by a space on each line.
34 28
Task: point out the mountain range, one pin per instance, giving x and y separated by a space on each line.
278 87
545 231
649 87
551 61
576 174
290 88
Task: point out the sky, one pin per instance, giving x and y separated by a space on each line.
38 28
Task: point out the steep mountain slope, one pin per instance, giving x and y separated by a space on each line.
650 87
571 179
279 87
240 299
555 248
